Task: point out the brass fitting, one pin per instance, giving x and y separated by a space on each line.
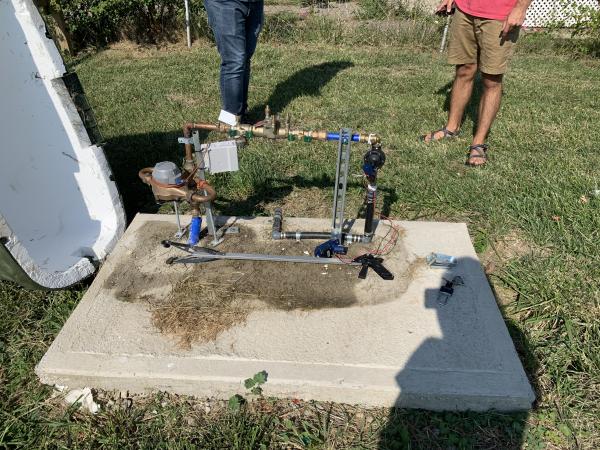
188 190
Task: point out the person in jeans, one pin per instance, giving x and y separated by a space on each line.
482 37
236 25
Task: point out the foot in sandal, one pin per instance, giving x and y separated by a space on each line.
438 135
477 155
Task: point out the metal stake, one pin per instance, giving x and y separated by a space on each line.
341 183
180 230
210 222
187 23
445 35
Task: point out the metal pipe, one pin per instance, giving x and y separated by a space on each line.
370 213
199 198
301 235
277 224
445 34
187 23
199 257
272 132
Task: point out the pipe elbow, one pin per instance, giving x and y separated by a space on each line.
146 174
187 129
210 195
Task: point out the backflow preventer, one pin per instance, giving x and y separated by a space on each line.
170 183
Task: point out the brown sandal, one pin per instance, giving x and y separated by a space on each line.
447 135
481 152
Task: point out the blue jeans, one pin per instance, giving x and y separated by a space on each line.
236 25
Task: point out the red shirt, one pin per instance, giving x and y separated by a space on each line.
487 9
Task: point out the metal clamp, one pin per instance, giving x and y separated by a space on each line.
440 260
185 140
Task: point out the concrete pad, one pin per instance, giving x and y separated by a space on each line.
393 345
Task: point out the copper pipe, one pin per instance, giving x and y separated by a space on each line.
262 131
209 197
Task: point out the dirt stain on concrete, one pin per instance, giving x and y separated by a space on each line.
196 302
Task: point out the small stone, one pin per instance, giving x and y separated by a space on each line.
490 268
207 409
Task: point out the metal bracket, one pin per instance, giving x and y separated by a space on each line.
180 229
210 222
196 255
341 183
184 140
440 260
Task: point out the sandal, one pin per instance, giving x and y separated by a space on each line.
480 152
447 135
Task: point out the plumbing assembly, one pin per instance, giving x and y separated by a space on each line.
169 183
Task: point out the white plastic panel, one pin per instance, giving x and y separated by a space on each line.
221 156
59 208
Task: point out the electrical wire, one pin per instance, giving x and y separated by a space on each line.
390 239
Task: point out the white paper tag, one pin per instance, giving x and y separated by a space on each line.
227 118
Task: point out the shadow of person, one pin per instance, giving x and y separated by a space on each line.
273 190
307 81
468 378
472 109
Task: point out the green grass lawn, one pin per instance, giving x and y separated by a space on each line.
530 213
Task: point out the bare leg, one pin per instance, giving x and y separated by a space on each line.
488 108
461 93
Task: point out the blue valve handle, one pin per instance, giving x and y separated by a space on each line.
329 248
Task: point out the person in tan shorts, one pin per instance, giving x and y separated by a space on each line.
482 37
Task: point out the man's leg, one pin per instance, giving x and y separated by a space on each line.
495 54
488 108
228 21
254 23
459 98
461 94
462 52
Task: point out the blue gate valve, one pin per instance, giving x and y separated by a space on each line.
329 248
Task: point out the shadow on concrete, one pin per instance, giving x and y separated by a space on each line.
307 81
472 109
449 428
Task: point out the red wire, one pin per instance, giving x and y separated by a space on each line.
390 244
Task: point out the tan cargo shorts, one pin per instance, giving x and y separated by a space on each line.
477 40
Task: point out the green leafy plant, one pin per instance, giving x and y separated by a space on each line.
584 23
254 384
95 23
